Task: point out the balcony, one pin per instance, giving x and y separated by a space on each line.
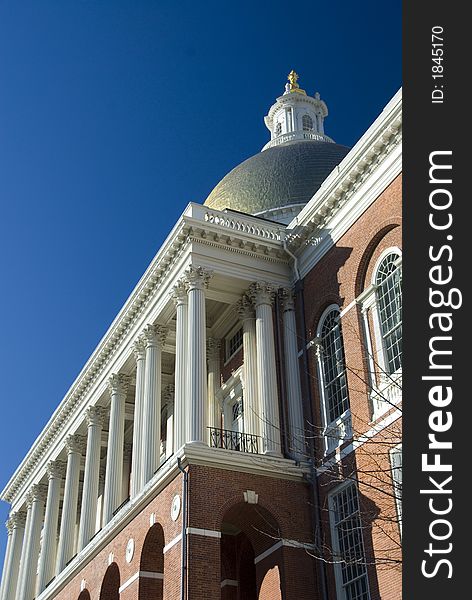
234 440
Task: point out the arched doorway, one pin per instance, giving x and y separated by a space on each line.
250 548
110 589
151 580
84 595
270 588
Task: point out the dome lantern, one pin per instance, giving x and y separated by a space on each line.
296 116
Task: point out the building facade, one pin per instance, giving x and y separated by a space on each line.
236 433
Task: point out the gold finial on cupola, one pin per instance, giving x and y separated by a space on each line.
293 85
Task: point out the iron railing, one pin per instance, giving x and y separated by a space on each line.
234 440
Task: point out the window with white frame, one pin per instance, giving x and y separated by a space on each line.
388 279
233 341
396 465
307 123
348 545
334 382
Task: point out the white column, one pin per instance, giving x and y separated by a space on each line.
169 394
95 416
154 336
30 551
117 386
197 279
75 445
16 531
47 559
262 295
252 409
137 469
214 375
179 295
6 559
296 433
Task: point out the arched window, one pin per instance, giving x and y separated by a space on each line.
307 123
278 129
331 348
389 303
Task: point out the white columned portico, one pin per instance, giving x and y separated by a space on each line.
155 336
29 555
137 469
197 279
16 532
95 416
117 386
75 445
47 559
252 410
292 377
179 296
262 295
214 375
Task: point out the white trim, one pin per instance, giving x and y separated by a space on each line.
365 437
204 532
137 575
268 552
231 582
128 582
287 544
386 252
171 544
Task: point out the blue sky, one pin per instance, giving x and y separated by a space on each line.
114 115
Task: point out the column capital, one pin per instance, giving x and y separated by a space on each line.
56 469
197 278
213 348
38 492
16 519
155 335
139 348
118 384
179 293
261 292
95 416
245 308
75 443
288 299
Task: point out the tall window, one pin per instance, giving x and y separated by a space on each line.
278 129
334 372
307 123
348 545
397 479
389 302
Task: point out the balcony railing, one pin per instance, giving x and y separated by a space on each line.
234 440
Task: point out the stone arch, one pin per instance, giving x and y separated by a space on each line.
270 588
84 595
250 546
364 263
110 589
151 565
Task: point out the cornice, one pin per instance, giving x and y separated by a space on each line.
355 169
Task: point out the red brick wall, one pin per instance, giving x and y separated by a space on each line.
341 275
